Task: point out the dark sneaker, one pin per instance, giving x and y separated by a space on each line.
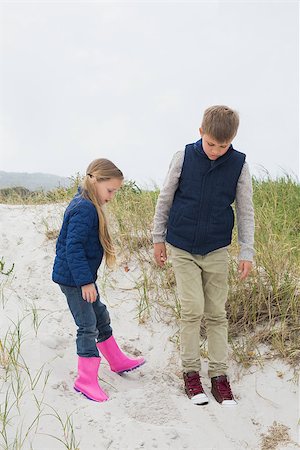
194 389
220 389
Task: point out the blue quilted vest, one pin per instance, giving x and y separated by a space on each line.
201 217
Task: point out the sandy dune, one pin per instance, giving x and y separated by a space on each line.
147 408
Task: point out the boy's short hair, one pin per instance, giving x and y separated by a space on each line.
220 122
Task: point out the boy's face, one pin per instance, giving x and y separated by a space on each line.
213 148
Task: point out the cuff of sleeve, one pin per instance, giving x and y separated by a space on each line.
157 238
80 283
246 255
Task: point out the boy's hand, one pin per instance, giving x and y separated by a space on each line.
160 253
244 269
89 292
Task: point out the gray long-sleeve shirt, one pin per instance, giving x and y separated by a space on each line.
243 205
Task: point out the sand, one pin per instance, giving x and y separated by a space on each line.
147 408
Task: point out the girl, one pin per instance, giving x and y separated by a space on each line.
83 241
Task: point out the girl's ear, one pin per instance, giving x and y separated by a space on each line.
201 131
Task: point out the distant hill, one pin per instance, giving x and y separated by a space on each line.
32 181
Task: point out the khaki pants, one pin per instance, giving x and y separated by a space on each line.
202 284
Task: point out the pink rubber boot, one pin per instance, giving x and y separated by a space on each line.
117 360
87 379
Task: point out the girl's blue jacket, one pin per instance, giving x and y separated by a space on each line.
78 249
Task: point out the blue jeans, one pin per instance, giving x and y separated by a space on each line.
92 320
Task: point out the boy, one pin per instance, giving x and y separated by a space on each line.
194 215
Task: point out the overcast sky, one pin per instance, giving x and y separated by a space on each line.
129 81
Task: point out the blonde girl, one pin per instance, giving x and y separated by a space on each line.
83 241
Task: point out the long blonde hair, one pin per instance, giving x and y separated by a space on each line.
102 169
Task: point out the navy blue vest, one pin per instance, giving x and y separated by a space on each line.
201 217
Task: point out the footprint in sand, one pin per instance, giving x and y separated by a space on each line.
55 342
152 406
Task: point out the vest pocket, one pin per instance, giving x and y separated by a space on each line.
181 223
181 215
221 223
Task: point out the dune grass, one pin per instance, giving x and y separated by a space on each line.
267 305
21 196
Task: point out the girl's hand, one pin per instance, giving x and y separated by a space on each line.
244 269
89 292
160 253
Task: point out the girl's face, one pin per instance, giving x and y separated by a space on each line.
106 189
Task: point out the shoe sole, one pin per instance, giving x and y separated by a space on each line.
229 405
89 398
198 401
129 370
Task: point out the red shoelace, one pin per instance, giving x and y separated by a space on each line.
223 387
193 384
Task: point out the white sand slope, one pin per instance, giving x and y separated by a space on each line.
147 408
